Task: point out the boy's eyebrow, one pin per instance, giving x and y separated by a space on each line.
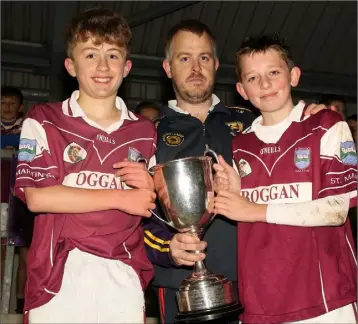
115 49
97 49
270 67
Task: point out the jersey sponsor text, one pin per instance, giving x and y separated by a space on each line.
93 180
35 175
278 193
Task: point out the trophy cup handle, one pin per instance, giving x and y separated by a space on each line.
209 152
162 220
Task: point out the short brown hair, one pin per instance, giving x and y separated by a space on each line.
105 26
261 44
191 25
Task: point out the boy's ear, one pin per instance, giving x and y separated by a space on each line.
70 67
167 69
240 89
127 68
295 76
21 109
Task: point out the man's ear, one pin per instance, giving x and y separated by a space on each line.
216 64
70 67
295 76
127 68
240 89
167 68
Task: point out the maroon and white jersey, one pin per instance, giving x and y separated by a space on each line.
291 273
60 146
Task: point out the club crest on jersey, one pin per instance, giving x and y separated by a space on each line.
173 139
348 153
27 149
74 153
302 158
244 168
236 126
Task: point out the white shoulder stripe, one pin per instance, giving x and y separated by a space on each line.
338 187
325 157
66 131
31 178
37 168
350 169
319 127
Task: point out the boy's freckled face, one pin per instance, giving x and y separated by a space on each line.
266 81
10 108
99 69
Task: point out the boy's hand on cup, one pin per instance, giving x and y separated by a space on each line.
236 207
137 202
226 178
134 174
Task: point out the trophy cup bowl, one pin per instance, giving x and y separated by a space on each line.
185 190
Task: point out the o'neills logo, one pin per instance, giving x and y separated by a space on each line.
294 192
93 180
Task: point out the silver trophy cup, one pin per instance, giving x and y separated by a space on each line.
185 189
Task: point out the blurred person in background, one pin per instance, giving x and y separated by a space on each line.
148 109
12 107
352 123
11 117
338 102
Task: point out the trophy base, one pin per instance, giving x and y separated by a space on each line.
205 291
227 312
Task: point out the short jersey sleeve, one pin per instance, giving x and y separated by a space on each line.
35 167
338 158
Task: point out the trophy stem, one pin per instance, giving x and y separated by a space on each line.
200 267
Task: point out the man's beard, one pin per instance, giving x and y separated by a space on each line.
193 96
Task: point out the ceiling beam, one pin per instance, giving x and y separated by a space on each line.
157 11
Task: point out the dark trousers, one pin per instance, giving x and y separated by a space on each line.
169 308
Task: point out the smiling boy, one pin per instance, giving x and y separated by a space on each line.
87 262
298 179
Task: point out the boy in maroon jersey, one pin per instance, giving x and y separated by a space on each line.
298 179
87 262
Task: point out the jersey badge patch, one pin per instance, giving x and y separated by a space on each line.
244 168
27 150
236 126
348 153
172 139
74 153
302 158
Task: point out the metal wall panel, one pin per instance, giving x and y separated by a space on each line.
25 21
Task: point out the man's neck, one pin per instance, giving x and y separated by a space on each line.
199 111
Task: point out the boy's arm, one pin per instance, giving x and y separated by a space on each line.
328 211
63 199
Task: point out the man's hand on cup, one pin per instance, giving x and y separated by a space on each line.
180 246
